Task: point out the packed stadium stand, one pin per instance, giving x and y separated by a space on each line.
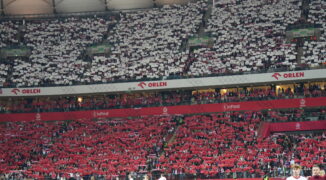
57 45
219 128
211 145
249 36
165 98
227 145
51 146
315 53
9 32
150 44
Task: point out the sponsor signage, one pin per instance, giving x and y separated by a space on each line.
280 76
167 110
100 114
145 85
293 126
302 103
232 107
38 117
219 81
17 91
297 126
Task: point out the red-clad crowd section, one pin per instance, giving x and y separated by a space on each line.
226 143
109 148
211 145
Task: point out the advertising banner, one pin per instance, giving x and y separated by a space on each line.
297 126
167 110
213 82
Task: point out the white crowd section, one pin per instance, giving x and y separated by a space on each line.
249 35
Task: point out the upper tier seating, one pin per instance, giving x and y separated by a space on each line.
249 36
315 51
8 33
56 50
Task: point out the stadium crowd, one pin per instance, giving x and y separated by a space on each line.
222 145
227 146
152 43
83 147
8 33
57 47
249 36
145 44
149 99
149 42
315 51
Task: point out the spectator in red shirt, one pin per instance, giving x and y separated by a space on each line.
316 175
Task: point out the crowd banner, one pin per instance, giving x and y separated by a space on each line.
167 110
218 81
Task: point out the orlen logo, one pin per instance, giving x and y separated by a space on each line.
152 84
26 91
142 85
278 76
15 91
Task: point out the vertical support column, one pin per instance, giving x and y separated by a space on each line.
106 5
2 8
54 7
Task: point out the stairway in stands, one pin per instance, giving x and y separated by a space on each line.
304 16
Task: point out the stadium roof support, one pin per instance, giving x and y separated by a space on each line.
35 8
2 8
48 2
53 7
105 2
27 7
106 5
129 4
10 2
58 2
78 6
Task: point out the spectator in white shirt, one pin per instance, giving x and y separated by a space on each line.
296 169
162 177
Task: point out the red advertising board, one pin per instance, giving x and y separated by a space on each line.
233 179
297 126
269 128
186 109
